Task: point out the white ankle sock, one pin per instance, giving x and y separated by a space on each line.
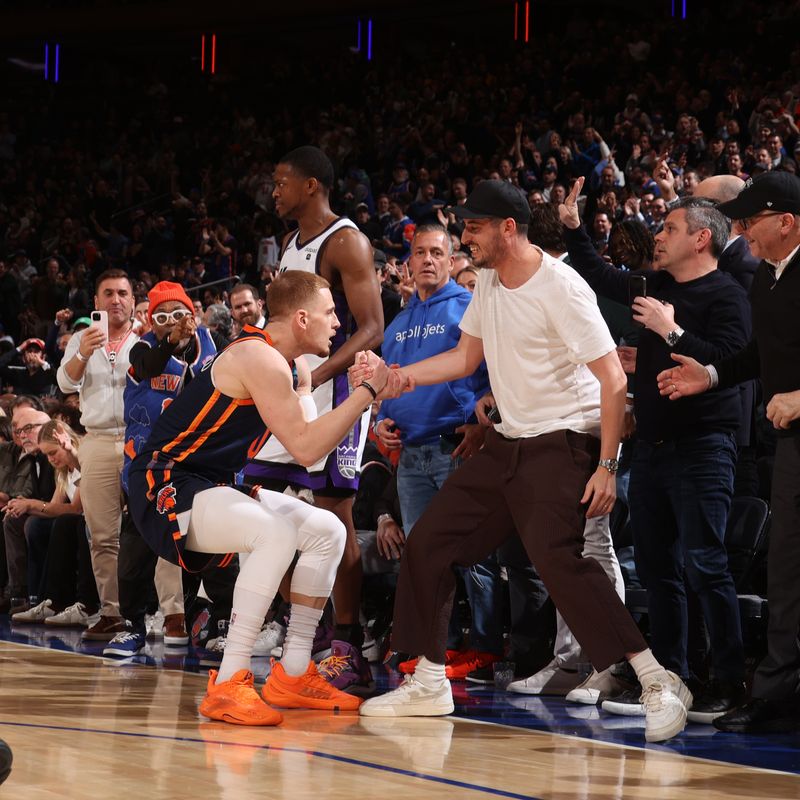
429 674
646 667
247 617
299 638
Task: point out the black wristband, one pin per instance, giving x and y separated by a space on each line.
369 388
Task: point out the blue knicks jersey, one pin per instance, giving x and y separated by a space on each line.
146 399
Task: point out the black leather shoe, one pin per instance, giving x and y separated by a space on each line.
759 716
716 699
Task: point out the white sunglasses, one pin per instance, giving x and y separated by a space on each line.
163 317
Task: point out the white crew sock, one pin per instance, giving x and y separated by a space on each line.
429 674
247 617
299 639
647 669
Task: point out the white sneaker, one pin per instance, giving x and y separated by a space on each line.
410 699
154 625
666 703
554 679
597 687
215 645
73 616
370 650
35 615
270 637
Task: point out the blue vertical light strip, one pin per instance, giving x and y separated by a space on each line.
358 36
683 15
369 39
58 52
46 61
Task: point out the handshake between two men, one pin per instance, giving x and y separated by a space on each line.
389 381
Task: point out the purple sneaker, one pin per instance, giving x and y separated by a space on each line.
323 641
347 670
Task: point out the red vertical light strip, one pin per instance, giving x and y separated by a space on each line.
527 20
203 53
213 53
516 22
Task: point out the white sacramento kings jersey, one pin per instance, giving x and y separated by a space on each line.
347 463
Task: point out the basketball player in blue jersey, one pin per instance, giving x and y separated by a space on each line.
334 248
183 501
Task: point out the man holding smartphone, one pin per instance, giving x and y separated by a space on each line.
682 472
94 365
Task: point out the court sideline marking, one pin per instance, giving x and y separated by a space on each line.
663 749
275 748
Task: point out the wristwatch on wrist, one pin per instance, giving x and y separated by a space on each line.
673 336
382 517
611 464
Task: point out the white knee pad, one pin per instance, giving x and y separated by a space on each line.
321 541
223 520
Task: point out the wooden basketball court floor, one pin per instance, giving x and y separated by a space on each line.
81 726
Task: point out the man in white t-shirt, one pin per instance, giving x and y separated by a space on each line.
547 465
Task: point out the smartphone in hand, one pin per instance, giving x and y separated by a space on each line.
100 321
637 287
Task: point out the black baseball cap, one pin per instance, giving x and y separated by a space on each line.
379 258
772 191
495 200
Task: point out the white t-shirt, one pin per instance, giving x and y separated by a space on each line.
73 478
537 340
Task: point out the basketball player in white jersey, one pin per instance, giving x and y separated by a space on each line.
334 248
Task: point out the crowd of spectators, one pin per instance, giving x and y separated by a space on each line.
176 185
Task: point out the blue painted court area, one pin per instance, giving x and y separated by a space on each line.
483 704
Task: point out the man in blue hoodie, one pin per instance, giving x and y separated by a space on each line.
434 426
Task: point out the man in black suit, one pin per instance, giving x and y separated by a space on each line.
736 259
740 264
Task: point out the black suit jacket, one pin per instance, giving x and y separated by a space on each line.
739 262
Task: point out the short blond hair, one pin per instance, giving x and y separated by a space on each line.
292 290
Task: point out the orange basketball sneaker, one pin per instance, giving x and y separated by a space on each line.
237 701
310 690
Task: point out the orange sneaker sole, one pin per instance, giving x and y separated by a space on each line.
236 715
287 699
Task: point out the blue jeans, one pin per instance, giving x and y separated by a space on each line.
680 495
422 471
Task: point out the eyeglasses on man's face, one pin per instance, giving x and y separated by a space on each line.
165 317
26 430
749 222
